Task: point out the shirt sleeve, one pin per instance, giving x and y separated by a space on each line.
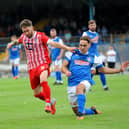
84 34
97 62
61 41
19 46
68 56
20 39
44 38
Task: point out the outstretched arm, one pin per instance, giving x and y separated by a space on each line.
107 70
15 42
64 68
58 45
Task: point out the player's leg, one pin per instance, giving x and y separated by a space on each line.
13 70
16 64
12 67
46 88
58 64
72 97
57 75
103 80
93 72
81 100
81 89
38 93
50 103
91 111
35 85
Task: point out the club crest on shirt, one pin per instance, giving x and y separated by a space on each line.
88 58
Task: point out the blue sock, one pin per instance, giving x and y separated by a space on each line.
57 76
81 99
17 70
103 79
13 71
92 75
60 76
89 111
92 81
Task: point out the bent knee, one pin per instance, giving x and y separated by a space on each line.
37 90
80 89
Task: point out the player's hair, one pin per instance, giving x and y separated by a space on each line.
86 38
13 35
52 29
25 23
91 22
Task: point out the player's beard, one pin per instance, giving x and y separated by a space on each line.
83 51
93 29
30 35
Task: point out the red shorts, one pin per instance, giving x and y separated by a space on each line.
34 74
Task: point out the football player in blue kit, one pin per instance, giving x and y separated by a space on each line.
56 56
77 67
94 37
14 55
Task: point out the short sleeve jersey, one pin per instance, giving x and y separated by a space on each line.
36 49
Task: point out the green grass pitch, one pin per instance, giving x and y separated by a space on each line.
20 110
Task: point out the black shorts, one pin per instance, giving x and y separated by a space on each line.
97 71
111 64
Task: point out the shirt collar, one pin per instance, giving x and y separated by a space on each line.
84 53
92 31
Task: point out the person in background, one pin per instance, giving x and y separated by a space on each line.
14 55
94 37
56 57
111 57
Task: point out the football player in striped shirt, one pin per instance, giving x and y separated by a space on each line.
38 61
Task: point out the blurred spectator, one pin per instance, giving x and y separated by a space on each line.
79 33
67 35
61 33
104 31
111 57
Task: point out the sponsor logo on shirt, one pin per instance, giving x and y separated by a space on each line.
81 62
14 49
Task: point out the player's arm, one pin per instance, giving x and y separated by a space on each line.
107 70
84 34
61 53
62 46
12 44
64 68
66 63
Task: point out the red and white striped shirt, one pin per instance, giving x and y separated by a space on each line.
36 49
